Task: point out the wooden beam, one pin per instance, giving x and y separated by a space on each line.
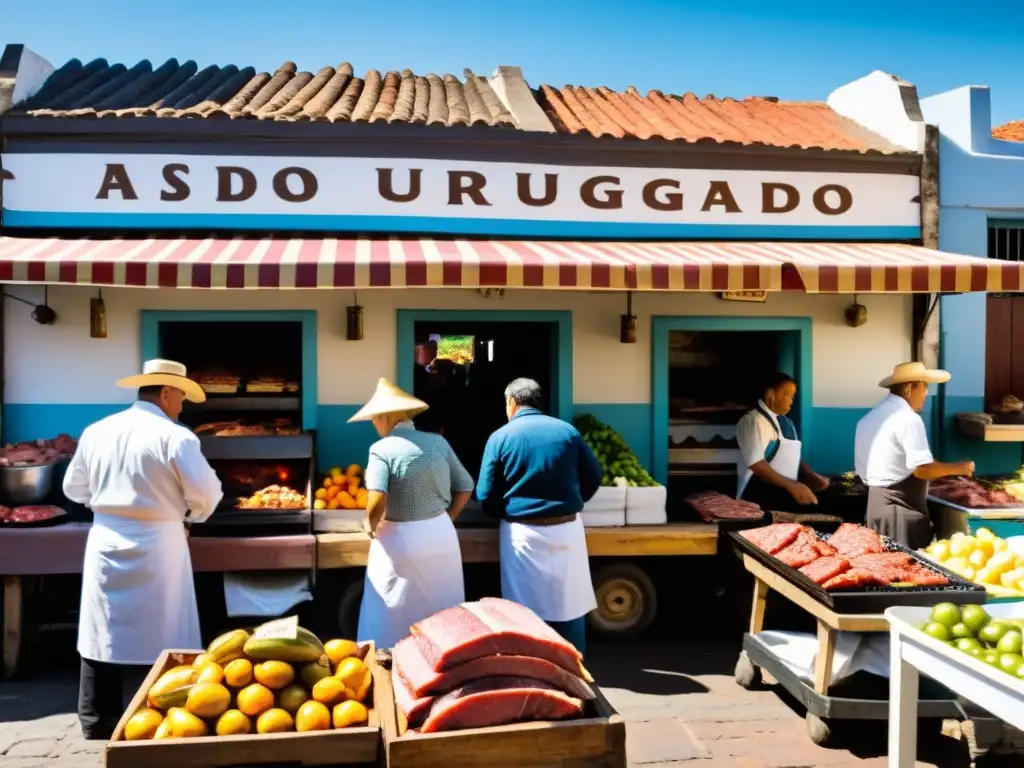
480 545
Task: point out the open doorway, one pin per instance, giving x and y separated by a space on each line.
462 368
708 373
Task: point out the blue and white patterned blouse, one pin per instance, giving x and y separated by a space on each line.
418 471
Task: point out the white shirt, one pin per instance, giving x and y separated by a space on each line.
140 464
753 435
891 442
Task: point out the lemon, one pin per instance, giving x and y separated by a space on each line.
1000 545
985 534
238 673
939 550
208 700
274 674
988 546
313 716
255 699
978 558
143 725
957 564
339 650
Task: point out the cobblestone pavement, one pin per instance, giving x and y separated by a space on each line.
679 699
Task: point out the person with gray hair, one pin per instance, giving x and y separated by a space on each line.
536 474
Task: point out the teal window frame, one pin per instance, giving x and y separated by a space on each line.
149 333
663 325
561 397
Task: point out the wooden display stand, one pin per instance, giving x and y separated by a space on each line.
358 746
829 622
598 741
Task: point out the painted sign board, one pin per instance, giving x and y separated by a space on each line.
451 196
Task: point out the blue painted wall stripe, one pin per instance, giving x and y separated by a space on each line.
452 226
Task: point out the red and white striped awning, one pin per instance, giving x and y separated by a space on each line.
289 263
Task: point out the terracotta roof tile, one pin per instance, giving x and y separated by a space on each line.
1011 131
102 90
753 120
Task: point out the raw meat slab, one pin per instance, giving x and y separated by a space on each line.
491 627
499 701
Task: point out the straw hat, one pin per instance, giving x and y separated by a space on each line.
389 399
165 373
906 373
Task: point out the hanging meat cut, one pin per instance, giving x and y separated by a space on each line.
499 701
489 627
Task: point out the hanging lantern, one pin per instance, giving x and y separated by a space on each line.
354 321
627 323
97 317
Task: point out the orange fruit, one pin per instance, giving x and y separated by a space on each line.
356 677
255 699
274 674
338 650
232 723
210 672
291 698
274 721
320 504
350 713
143 725
313 716
329 691
333 491
345 499
184 724
208 700
238 673
321 494
328 482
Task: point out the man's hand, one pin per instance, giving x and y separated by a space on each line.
368 527
802 494
967 468
817 482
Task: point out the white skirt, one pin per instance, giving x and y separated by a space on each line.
546 568
413 571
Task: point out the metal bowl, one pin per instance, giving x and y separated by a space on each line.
27 485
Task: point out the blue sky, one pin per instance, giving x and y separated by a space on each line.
793 50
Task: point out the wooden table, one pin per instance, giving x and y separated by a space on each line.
60 550
829 622
480 545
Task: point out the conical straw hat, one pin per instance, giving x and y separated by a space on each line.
389 399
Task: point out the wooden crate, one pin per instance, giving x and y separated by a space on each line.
348 746
598 741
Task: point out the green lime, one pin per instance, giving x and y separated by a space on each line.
947 614
977 652
975 617
1011 642
992 633
962 630
1010 662
991 657
938 631
1020 672
967 644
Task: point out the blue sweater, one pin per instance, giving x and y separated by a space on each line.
536 466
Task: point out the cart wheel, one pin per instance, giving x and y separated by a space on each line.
348 608
747 675
627 601
819 731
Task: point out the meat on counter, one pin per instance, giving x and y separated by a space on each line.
38 452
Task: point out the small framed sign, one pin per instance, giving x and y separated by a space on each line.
758 296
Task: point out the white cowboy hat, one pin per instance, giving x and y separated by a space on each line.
165 373
906 373
389 399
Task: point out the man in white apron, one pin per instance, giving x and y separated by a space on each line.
536 474
143 475
772 472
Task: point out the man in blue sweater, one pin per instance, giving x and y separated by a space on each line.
536 475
